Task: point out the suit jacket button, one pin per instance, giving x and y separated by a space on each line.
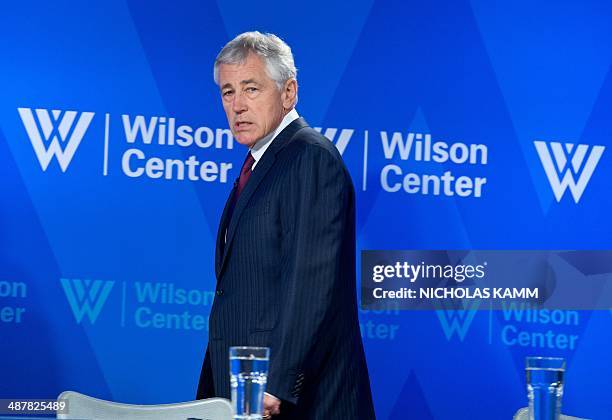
219 292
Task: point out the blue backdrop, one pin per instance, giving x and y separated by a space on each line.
465 125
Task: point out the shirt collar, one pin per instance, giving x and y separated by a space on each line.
259 148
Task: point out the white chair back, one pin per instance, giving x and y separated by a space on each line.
85 407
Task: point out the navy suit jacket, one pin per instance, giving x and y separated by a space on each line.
286 280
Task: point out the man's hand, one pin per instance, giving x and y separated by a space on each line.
271 406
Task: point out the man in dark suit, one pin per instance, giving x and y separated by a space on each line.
285 252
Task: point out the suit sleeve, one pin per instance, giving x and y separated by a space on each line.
314 218
206 388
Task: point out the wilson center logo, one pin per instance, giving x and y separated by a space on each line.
86 297
568 166
343 138
56 133
457 321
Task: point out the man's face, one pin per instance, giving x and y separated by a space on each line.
251 100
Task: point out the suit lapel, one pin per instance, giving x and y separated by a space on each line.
220 247
259 173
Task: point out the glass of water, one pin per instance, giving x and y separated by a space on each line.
248 378
545 387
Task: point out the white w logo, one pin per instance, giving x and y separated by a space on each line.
457 320
54 134
561 175
86 297
343 139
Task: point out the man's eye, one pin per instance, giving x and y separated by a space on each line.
251 89
227 93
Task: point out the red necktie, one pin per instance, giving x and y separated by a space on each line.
245 173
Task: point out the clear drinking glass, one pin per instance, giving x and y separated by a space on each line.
545 387
248 378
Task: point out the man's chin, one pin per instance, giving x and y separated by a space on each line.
246 139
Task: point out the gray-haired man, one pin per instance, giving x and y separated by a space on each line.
285 252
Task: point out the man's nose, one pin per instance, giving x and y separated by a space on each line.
239 104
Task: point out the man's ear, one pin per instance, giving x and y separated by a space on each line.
289 94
